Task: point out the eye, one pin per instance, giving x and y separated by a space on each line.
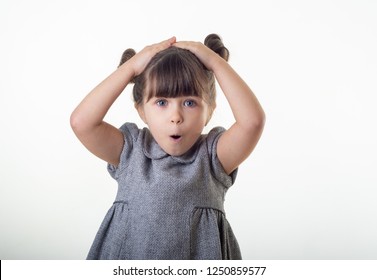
161 102
189 103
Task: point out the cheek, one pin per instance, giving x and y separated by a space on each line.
199 122
155 120
149 113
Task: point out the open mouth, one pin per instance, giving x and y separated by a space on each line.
176 137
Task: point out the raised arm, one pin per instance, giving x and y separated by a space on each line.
237 143
102 139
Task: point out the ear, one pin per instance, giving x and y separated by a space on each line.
140 110
208 119
210 112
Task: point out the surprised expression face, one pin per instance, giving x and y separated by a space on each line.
175 123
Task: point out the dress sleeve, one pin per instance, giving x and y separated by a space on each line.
130 133
216 166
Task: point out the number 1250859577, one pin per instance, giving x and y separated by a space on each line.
239 270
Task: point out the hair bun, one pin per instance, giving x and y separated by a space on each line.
127 54
214 42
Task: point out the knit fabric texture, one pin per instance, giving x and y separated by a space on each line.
167 207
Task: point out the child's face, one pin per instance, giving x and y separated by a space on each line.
175 123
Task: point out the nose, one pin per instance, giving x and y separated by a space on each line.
176 116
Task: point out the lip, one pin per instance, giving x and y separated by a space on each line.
176 138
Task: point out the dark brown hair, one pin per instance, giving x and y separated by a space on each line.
177 72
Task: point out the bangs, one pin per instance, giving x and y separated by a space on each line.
176 72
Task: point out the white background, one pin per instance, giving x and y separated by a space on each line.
307 192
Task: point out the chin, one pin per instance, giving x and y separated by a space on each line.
176 154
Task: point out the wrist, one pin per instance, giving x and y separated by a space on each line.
128 69
218 63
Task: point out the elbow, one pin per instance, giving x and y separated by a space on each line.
77 123
257 122
262 119
81 124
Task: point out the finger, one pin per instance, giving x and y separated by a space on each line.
181 45
165 44
193 47
172 40
185 45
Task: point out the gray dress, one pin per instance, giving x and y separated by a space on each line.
167 207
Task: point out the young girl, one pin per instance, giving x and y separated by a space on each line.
171 179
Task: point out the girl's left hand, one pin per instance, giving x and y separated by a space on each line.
236 143
208 57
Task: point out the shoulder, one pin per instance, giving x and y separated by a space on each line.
211 140
130 130
131 134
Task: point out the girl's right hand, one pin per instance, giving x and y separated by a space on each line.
101 138
140 60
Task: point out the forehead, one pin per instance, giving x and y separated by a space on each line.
175 72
